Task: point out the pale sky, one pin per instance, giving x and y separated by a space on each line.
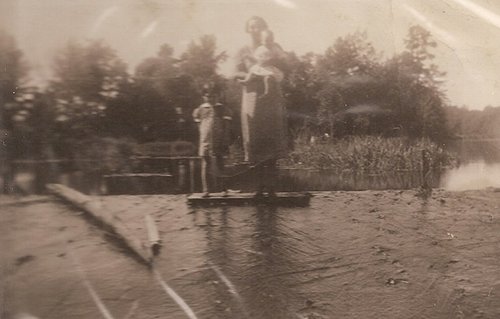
467 31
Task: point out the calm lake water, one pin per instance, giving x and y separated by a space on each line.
479 168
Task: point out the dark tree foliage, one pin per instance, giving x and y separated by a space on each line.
16 135
88 78
139 113
201 61
350 73
360 94
414 92
348 55
95 95
199 73
154 97
348 90
13 72
300 88
466 123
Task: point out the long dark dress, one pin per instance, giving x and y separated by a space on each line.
263 118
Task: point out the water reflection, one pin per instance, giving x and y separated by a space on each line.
477 150
479 169
253 258
265 275
476 175
480 166
29 181
223 258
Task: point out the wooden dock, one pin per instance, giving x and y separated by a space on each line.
290 199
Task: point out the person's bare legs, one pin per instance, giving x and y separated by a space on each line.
219 171
260 174
266 174
204 176
271 174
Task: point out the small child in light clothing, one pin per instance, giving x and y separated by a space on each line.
263 68
213 121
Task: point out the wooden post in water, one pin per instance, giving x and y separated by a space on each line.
426 174
181 169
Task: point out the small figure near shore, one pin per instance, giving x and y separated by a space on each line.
213 120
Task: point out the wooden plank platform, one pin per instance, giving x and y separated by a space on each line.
290 199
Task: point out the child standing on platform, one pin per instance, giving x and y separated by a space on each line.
213 119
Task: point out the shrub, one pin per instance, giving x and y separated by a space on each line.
368 154
103 155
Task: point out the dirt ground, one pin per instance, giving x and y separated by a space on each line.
368 254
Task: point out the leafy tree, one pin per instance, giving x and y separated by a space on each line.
12 75
359 94
199 72
201 61
473 123
159 101
352 54
158 71
137 112
413 87
300 88
349 75
419 43
199 64
88 77
145 110
15 134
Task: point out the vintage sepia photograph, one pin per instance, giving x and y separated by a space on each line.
249 159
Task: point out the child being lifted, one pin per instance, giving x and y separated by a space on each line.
263 67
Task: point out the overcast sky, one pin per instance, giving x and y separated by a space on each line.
467 31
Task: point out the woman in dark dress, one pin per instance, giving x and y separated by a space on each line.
263 116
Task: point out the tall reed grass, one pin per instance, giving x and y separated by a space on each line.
369 154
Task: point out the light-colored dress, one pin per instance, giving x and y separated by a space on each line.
263 118
213 130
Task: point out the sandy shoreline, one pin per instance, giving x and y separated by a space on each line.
367 254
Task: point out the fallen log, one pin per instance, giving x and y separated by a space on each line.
108 221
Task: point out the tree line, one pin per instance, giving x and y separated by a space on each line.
467 123
350 89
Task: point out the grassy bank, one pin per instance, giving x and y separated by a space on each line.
368 154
